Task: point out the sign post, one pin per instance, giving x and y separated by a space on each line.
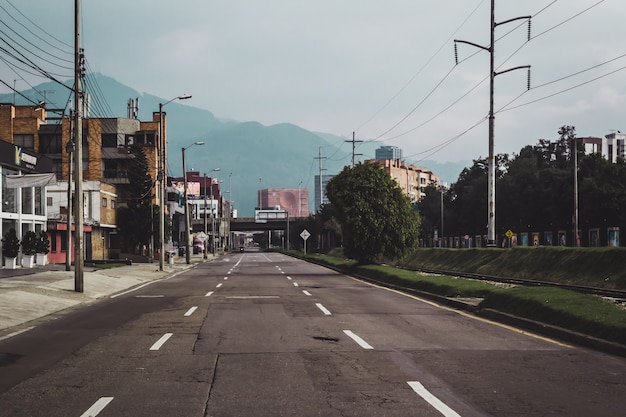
305 235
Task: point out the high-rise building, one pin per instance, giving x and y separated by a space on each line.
388 152
320 196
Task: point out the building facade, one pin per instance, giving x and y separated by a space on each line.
107 158
412 179
294 200
320 190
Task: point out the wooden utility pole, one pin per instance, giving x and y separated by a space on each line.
78 157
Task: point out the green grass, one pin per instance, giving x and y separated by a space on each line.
582 313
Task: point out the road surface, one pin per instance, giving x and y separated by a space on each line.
263 334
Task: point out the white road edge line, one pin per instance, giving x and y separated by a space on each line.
161 341
306 293
190 311
432 400
16 333
358 340
324 309
208 294
98 406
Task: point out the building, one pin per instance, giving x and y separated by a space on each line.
412 179
107 157
320 195
388 152
611 147
294 200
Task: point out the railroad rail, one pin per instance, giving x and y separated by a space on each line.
602 292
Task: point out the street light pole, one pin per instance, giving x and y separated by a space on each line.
161 177
187 234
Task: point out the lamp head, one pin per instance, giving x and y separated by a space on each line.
184 97
199 142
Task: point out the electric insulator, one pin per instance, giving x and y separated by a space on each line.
456 54
529 25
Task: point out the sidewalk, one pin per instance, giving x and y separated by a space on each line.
29 294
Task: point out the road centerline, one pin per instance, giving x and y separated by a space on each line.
97 407
324 309
432 400
358 339
159 343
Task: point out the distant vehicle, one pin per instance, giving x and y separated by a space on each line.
241 249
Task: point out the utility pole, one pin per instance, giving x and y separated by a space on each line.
354 142
491 192
78 157
69 147
320 158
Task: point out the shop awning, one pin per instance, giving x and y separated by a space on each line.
31 180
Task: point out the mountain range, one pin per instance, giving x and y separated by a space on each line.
249 155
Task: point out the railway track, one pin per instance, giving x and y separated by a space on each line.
602 292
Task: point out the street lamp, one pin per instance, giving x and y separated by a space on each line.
163 180
187 254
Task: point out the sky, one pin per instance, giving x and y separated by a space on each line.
383 69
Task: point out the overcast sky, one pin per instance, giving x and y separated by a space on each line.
382 68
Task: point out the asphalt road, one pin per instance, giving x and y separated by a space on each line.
258 334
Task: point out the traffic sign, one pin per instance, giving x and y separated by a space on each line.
305 234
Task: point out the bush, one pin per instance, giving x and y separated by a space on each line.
43 243
29 243
10 244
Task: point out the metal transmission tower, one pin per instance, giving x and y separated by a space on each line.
491 200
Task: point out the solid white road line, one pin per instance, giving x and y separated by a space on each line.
98 406
324 309
358 340
306 293
432 400
161 341
16 333
190 311
210 293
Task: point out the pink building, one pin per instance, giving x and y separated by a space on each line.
294 200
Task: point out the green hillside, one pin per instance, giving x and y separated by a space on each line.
258 156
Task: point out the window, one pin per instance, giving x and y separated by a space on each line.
104 201
109 140
24 141
49 201
112 204
50 143
8 194
27 200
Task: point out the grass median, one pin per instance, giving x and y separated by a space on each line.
582 313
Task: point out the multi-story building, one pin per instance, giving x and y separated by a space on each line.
388 152
611 147
412 179
294 200
320 194
106 160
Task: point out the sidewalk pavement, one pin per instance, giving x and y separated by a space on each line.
30 294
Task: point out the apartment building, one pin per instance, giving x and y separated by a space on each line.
106 161
412 179
611 147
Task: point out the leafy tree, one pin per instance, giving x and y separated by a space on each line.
375 216
134 220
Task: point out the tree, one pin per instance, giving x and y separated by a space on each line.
375 216
134 220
